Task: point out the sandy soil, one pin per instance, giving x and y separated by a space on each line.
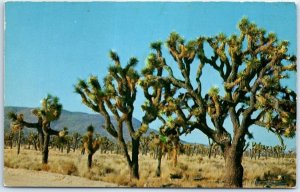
29 178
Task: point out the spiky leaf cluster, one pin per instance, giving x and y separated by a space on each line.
90 128
50 108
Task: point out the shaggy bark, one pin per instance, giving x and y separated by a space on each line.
233 167
90 160
45 150
159 157
134 167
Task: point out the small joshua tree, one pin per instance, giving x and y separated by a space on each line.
166 142
48 112
145 141
106 144
8 139
32 140
90 144
76 137
17 128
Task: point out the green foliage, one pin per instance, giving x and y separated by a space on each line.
132 74
51 108
221 37
147 71
156 45
114 56
272 36
93 81
82 84
153 62
90 128
12 116
163 138
214 91
133 61
173 40
115 69
244 24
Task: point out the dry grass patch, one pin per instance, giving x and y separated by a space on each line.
191 171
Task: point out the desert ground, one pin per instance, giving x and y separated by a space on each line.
24 177
110 170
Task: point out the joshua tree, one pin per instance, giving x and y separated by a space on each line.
259 150
278 151
117 95
145 141
187 149
167 142
213 149
105 144
256 150
48 112
32 139
61 142
252 66
8 139
76 137
17 128
90 145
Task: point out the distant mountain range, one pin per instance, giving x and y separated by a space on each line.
74 121
78 122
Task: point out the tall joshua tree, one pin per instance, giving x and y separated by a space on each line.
48 112
252 66
117 94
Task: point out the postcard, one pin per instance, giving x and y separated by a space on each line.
150 94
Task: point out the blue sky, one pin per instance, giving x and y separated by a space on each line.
48 46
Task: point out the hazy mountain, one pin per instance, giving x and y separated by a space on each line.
75 121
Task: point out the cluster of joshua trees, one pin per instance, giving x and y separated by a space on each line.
252 66
150 146
259 150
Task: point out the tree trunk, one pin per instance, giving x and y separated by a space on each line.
45 148
68 148
233 167
175 156
35 147
75 146
209 151
159 156
19 141
156 151
90 159
41 139
134 171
